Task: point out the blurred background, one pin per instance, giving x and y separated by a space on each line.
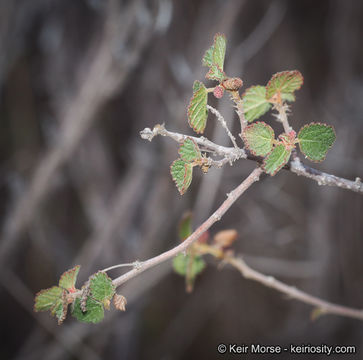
79 79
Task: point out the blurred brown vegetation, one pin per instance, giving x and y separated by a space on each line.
78 80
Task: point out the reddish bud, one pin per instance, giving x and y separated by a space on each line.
232 84
218 92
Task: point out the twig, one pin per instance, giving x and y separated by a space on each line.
294 165
239 106
216 216
232 154
282 116
220 118
324 307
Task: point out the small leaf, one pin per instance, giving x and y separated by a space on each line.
284 83
278 157
48 298
258 138
219 50
255 103
180 264
94 313
216 73
185 226
216 53
197 109
101 287
182 174
120 302
68 279
189 150
60 309
208 57
315 140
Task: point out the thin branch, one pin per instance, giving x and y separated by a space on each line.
294 165
324 307
239 109
220 118
282 116
216 216
232 154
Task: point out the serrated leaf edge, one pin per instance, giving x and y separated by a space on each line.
195 144
246 142
317 123
281 166
189 114
279 74
212 77
41 292
183 189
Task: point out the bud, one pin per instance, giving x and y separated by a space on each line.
120 302
232 84
225 238
218 92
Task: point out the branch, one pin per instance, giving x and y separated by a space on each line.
231 154
216 216
323 307
220 118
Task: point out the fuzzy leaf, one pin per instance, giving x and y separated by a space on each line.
315 140
216 73
60 310
185 226
285 82
219 50
94 313
278 157
68 279
208 57
189 150
216 53
258 138
197 110
180 265
255 103
48 298
101 287
182 174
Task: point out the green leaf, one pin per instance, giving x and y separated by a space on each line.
315 140
285 82
101 287
216 73
258 138
94 313
208 57
197 109
182 174
288 97
48 298
216 53
185 226
255 103
189 150
278 157
180 265
60 310
219 50
68 279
